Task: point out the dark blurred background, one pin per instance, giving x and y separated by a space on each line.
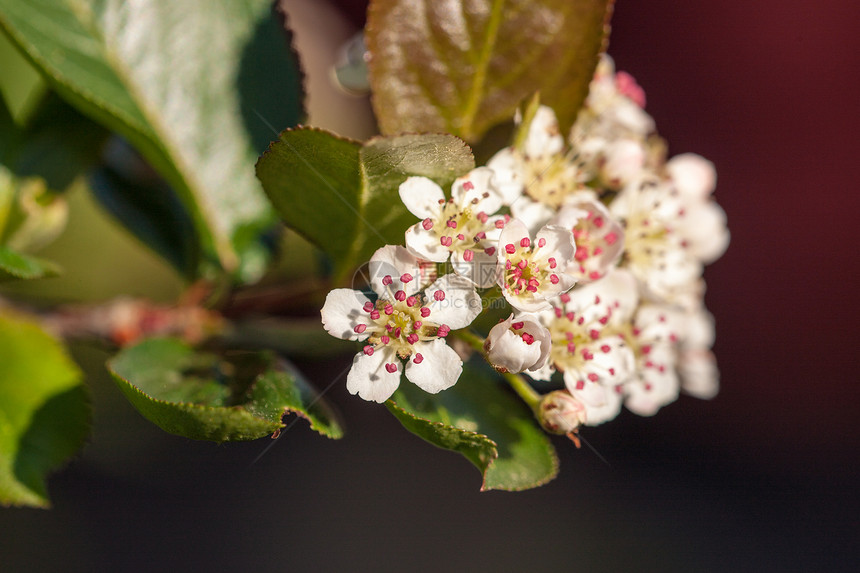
762 478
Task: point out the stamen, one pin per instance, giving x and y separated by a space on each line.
359 328
418 358
427 224
392 368
368 350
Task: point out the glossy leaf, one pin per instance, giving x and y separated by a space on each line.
195 86
44 411
462 67
219 398
343 196
479 419
14 265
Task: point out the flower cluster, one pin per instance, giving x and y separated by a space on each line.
596 241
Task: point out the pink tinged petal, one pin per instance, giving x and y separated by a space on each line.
460 304
394 261
369 377
693 175
439 369
481 270
425 244
343 314
421 196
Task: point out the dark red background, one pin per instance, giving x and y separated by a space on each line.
763 478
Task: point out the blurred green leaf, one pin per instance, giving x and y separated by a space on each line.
14 265
44 411
219 398
343 196
57 144
149 208
195 86
462 67
480 420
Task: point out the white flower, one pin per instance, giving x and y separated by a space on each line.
655 250
536 178
655 341
403 324
461 227
697 365
588 346
599 238
703 225
531 272
518 344
614 106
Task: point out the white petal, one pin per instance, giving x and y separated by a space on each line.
533 326
507 350
368 377
526 302
704 228
394 261
508 178
544 373
699 374
544 137
652 391
532 213
425 244
559 244
460 305
421 196
514 232
482 182
624 160
343 311
694 176
481 270
440 369
609 410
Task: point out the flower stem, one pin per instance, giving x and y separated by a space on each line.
517 382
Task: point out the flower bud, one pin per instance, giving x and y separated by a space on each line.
517 345
560 413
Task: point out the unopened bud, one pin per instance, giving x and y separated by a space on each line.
560 413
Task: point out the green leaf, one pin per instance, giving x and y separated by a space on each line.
14 265
343 196
241 396
463 67
195 86
480 420
44 411
152 212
